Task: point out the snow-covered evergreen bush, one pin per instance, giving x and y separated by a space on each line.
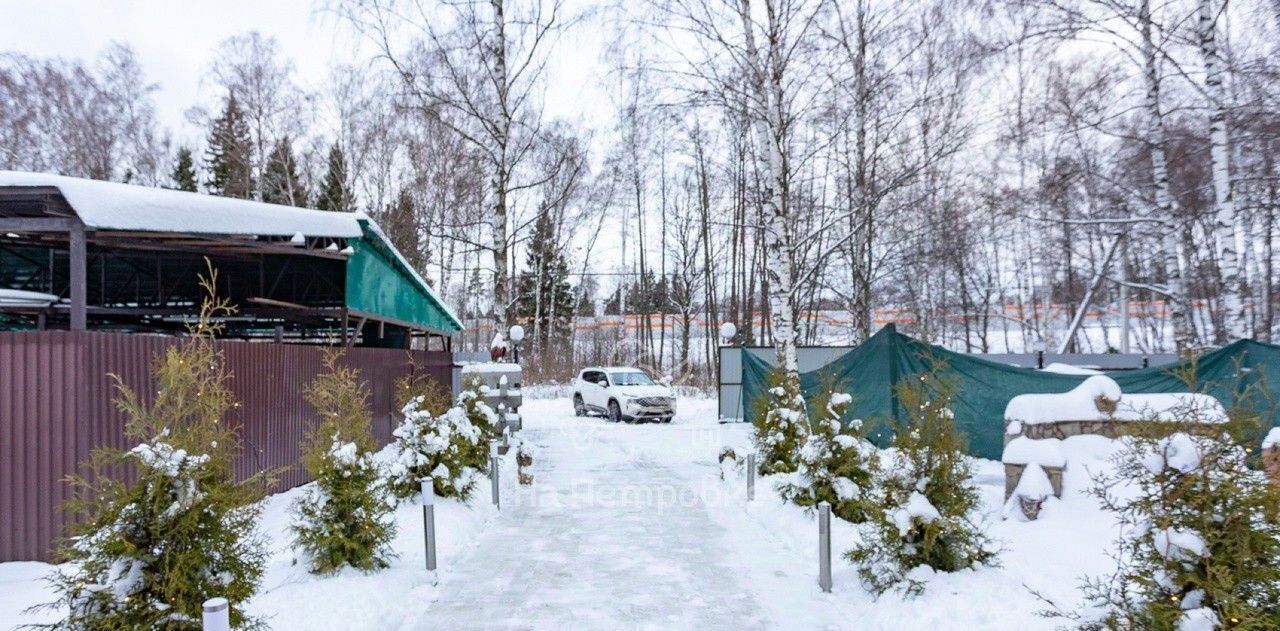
1199 536
345 519
483 418
154 549
835 463
925 501
443 447
781 425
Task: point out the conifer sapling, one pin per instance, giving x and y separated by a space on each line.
346 519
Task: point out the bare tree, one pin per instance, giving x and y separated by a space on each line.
476 67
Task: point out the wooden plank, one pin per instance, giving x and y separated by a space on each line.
37 224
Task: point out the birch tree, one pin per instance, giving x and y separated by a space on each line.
1224 211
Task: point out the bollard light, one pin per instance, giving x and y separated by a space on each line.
493 473
751 477
429 521
824 546
217 615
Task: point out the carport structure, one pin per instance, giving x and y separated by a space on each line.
87 255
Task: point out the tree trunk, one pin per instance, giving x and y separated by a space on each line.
501 174
769 120
1183 334
1224 216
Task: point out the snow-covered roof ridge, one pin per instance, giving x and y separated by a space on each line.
115 206
1099 398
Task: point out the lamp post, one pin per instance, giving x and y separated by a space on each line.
516 335
727 331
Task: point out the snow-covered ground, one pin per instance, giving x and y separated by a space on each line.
631 526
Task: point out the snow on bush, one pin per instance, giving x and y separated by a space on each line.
345 519
925 503
1199 535
444 447
781 425
835 463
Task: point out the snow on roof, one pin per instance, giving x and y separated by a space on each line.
1046 452
116 206
1068 369
1081 404
20 298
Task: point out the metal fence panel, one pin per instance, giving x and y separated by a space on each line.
56 406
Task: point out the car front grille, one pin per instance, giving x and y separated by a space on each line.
654 402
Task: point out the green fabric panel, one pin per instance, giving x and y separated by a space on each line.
379 285
1246 371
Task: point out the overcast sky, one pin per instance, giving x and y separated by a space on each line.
175 41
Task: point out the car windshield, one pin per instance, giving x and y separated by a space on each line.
630 378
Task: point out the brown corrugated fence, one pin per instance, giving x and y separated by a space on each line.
56 406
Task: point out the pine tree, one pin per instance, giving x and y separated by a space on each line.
835 463
281 182
184 171
346 519
334 194
1199 532
400 221
153 550
544 293
229 157
925 499
781 425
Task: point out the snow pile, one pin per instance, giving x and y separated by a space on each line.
1099 398
1046 452
1177 451
1078 404
177 465
1033 487
1200 619
1068 369
20 298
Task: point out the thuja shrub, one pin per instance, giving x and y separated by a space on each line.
183 531
781 424
345 519
836 462
924 506
1199 535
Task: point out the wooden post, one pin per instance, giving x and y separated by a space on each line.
79 279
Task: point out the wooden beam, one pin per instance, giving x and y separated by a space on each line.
79 280
38 224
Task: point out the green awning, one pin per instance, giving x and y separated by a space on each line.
381 285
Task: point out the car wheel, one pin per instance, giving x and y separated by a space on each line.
666 419
615 412
579 408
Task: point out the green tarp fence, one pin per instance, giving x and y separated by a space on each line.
1246 371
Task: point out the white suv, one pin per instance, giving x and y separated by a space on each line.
622 394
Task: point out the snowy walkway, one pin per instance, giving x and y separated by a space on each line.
609 537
